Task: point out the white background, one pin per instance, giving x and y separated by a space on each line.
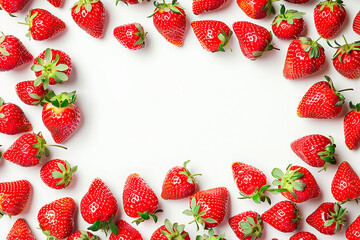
150 110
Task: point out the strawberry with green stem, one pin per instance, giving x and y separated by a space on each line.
30 94
57 173
247 225
170 231
82 235
211 236
288 25
257 9
131 36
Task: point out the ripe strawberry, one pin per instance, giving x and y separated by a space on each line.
56 219
316 150
170 20
288 25
129 1
247 225
14 197
13 119
202 6
303 236
57 3
99 207
211 236
329 16
83 235
208 207
30 94
12 53
257 9
131 36
60 115
212 35
90 15
352 127
57 173
139 199
43 25
20 230
254 39
297 1
179 183
328 218
13 6
353 231
170 231
304 57
51 67
126 231
356 23
283 216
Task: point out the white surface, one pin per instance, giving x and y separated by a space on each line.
150 110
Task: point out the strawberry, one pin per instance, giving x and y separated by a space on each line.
352 126
288 25
297 1
254 39
316 150
13 6
56 219
303 236
12 53
328 218
57 173
14 197
170 231
51 67
283 216
170 20
20 230
126 231
90 15
60 115
356 23
43 25
179 183
12 119
99 207
353 231
251 182
304 57
83 235
211 236
208 207
247 225
329 16
57 3
129 1
139 199
30 94
202 6
131 36
28 150
212 35
257 9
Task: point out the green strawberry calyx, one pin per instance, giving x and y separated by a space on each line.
143 216
311 47
65 173
337 217
187 173
2 102
211 236
174 6
174 231
338 93
250 228
85 236
287 16
61 100
328 155
331 4
269 8
48 235
141 35
194 211
3 50
268 47
86 3
258 195
105 226
224 38
29 22
344 49
41 146
353 107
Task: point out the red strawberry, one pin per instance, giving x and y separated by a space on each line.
356 23
60 115
139 199
20 230
131 36
51 67
14 197
257 9
30 94
126 231
283 216
254 39
353 231
328 218
201 6
56 219
316 150
12 53
170 231
57 173
90 15
250 181
208 207
247 225
28 150
304 57
99 207
13 119
179 183
303 236
297 1
170 20
13 6
212 35
288 25
211 236
329 16
352 126
83 235
57 3
129 1
43 25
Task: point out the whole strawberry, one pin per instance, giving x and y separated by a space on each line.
329 16
20 230
12 119
126 231
57 3
257 9
202 6
303 236
12 53
288 25
179 183
254 39
131 36
353 231
90 15
56 219
328 218
352 126
13 6
356 23
83 235
170 20
212 35
170 231
247 225
14 197
30 94
57 173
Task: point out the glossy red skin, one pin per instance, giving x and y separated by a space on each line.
286 31
350 65
45 25
329 23
235 221
126 231
20 230
158 235
297 1
25 88
353 231
48 169
18 54
345 184
14 196
253 8
15 121
13 6
125 35
132 1
352 129
303 236
248 178
57 3
356 23
202 6
77 235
